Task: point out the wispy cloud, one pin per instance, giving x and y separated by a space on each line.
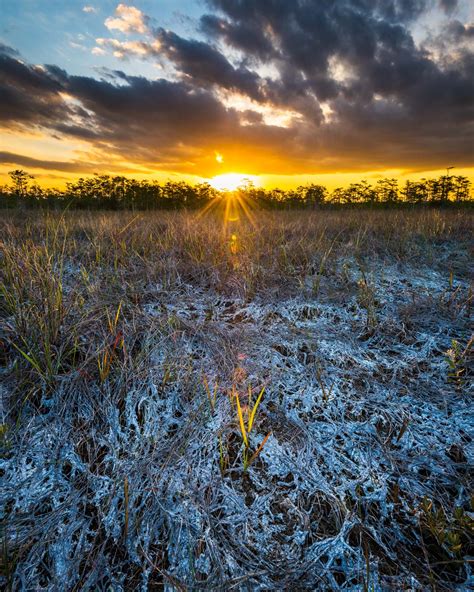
126 49
89 9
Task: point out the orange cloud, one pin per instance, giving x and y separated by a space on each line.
128 19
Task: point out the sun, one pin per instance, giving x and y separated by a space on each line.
232 181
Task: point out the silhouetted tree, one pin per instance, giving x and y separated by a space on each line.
311 195
387 190
20 180
460 188
415 192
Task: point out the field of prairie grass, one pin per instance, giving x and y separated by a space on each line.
282 404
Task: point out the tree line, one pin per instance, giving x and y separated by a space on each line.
119 192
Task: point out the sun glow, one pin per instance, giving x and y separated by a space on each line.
233 205
232 181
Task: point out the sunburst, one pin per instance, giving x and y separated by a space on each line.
233 202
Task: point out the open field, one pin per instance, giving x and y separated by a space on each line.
133 350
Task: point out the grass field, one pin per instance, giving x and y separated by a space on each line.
280 403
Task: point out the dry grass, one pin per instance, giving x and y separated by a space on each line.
122 466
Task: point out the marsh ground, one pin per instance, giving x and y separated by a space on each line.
124 339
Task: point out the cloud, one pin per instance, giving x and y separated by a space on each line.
204 64
89 9
13 159
29 93
246 36
126 49
458 32
200 62
128 19
66 166
448 6
6 50
389 78
155 121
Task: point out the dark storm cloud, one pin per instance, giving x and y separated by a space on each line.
244 36
38 96
458 32
8 51
147 120
164 122
303 37
205 64
388 82
306 34
30 94
448 5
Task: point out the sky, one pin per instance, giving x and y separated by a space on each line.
283 92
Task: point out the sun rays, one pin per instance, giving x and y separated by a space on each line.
238 206
232 203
